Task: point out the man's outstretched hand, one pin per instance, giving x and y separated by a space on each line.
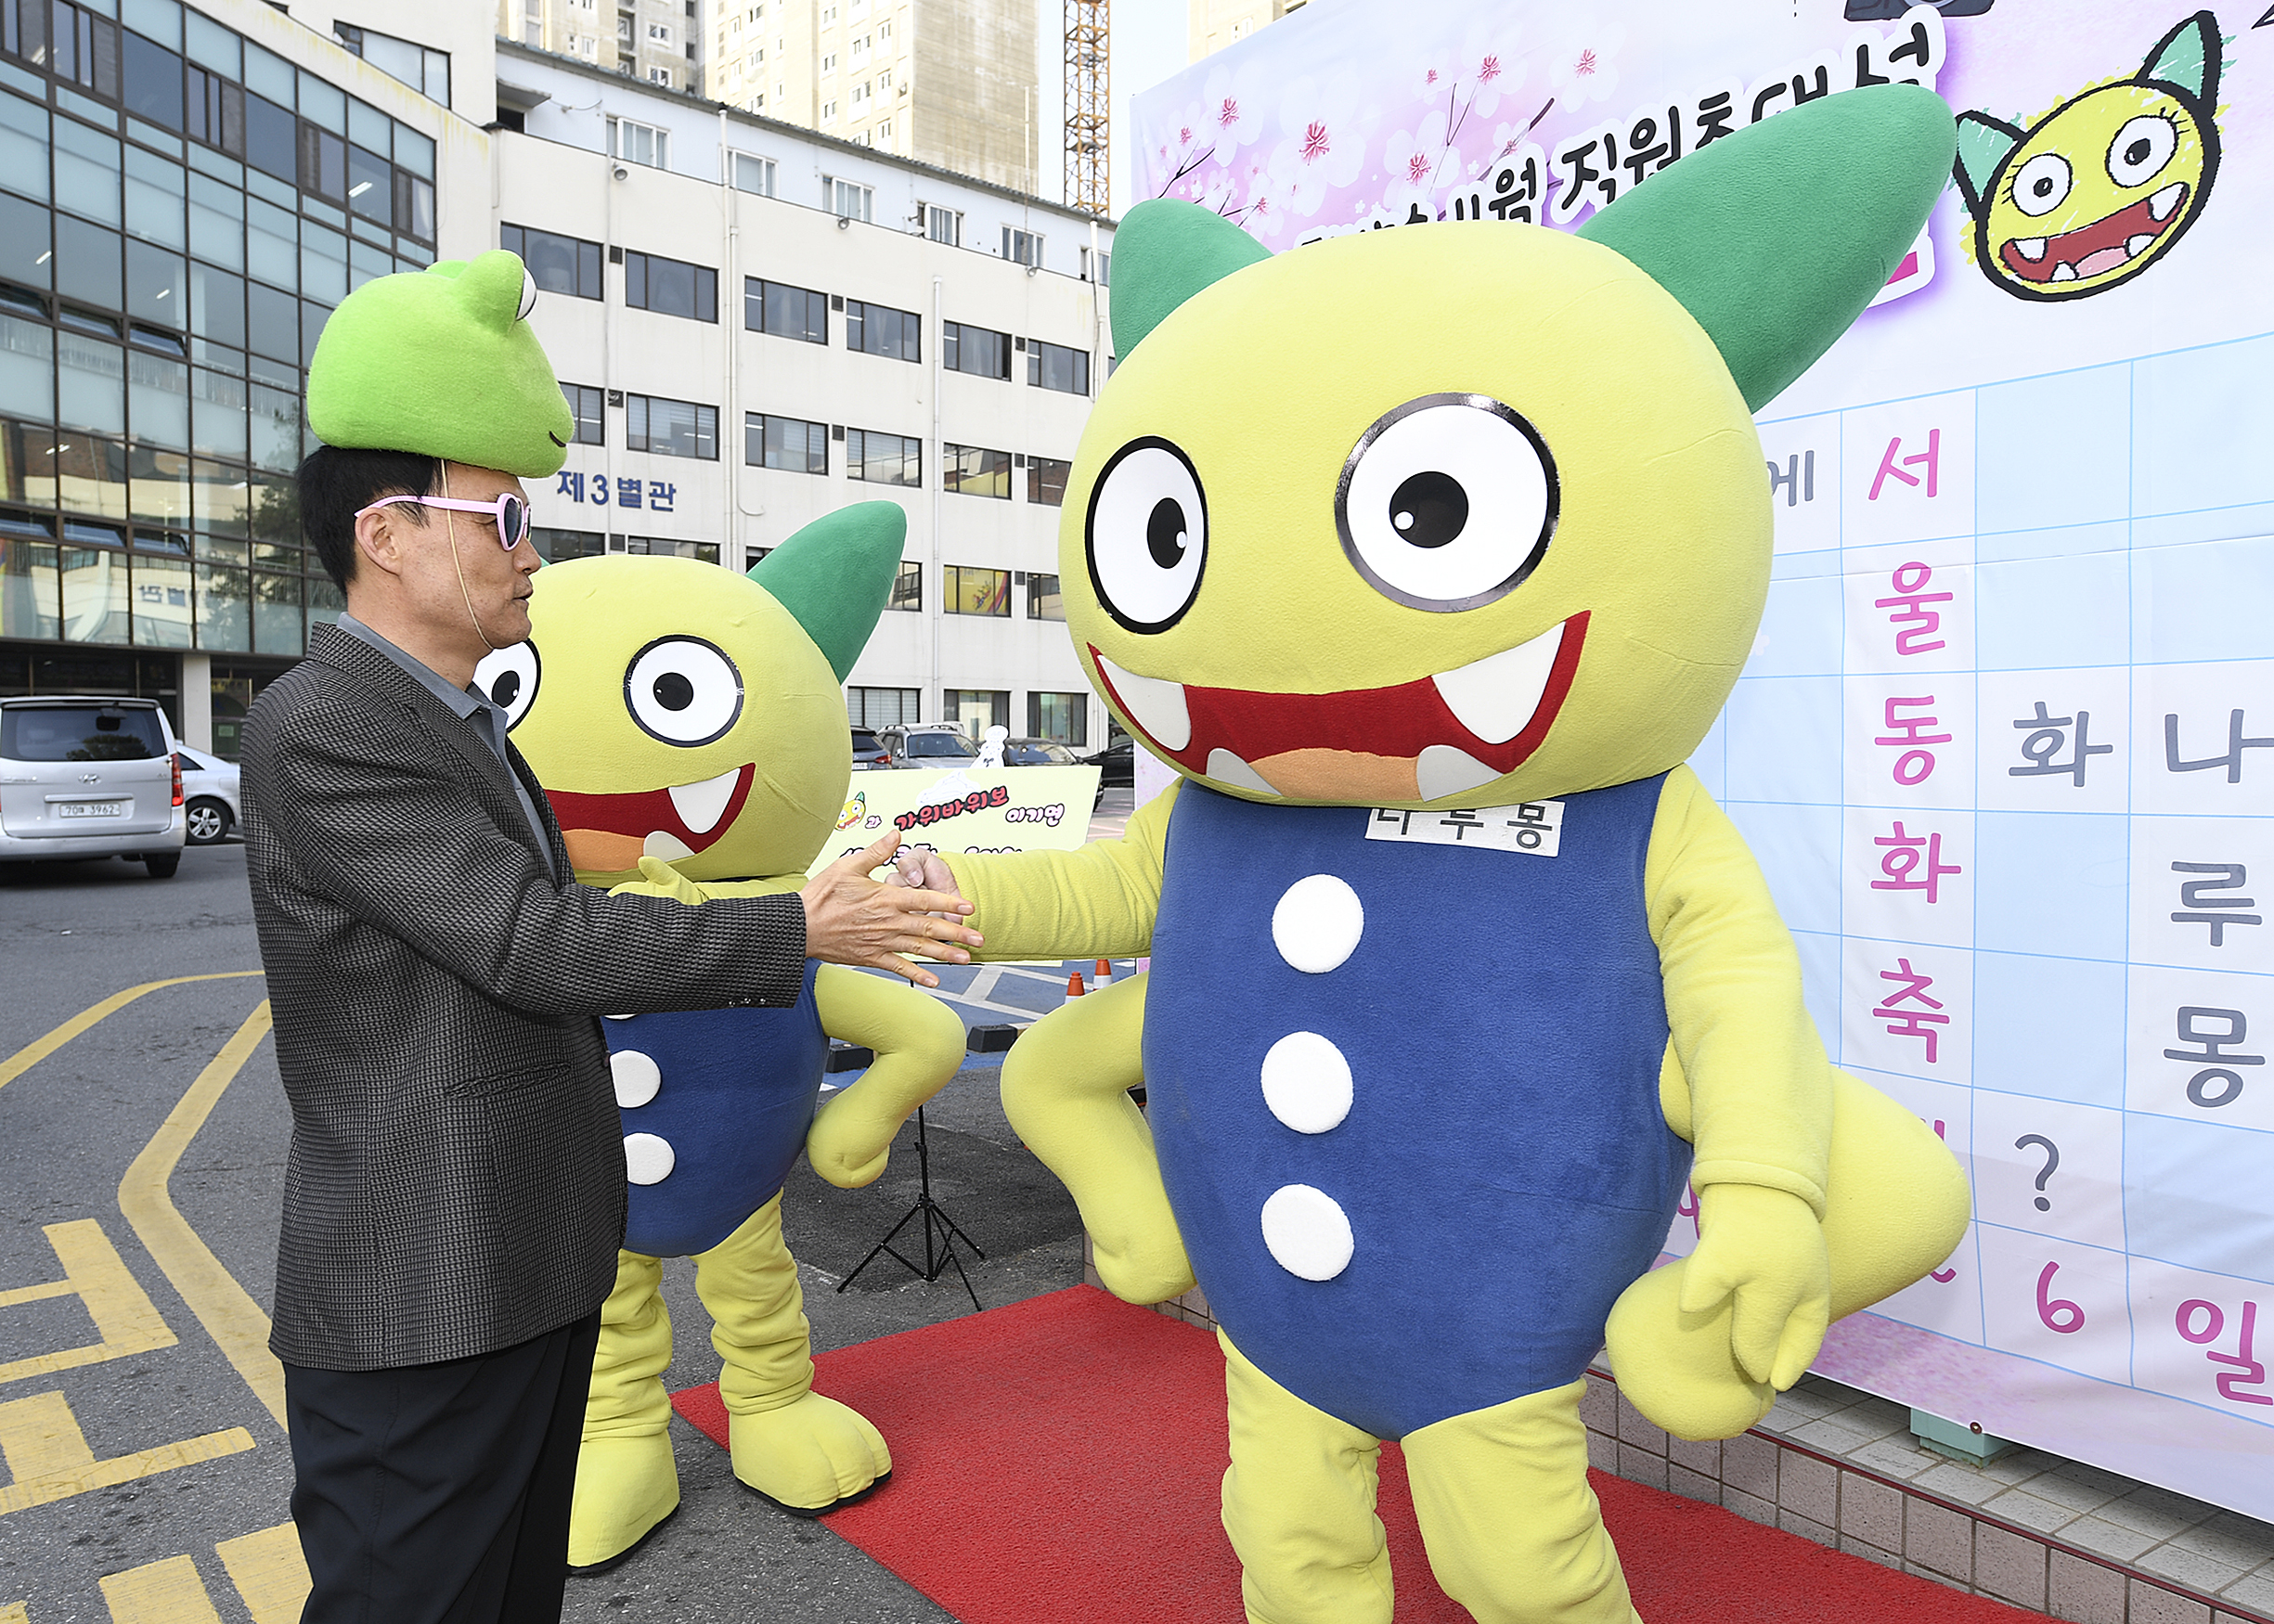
851 918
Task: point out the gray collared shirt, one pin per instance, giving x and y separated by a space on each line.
481 715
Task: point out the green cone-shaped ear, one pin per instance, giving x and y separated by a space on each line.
2188 56
834 575
1983 145
1777 238
1164 252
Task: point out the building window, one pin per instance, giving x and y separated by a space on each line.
847 201
885 460
1062 716
556 546
982 352
978 709
559 265
907 587
1046 484
753 174
1025 247
829 62
884 134
671 287
639 143
426 71
661 34
976 471
671 428
705 552
1097 266
878 330
789 444
829 113
976 591
1056 366
942 225
585 406
881 707
663 76
1044 601
785 311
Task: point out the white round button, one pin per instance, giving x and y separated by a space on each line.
648 1158
636 1077
1317 923
1308 1232
1307 1082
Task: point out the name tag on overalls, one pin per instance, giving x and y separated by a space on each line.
1534 827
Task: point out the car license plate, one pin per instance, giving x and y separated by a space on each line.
90 809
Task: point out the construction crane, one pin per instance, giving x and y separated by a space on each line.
1087 169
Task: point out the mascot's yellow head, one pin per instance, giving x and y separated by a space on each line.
674 710
1468 514
2099 188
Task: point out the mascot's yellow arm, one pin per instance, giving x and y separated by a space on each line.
1100 901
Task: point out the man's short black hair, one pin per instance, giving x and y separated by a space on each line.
336 483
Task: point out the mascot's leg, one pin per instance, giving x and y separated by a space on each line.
1896 1206
798 1448
1298 1505
1512 1530
627 1482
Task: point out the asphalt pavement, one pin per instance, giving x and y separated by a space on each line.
141 1162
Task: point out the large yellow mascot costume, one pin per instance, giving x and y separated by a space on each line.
1427 556
688 725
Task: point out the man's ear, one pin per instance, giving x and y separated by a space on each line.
379 538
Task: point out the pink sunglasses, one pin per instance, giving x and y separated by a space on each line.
509 512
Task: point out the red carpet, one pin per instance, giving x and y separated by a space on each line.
1059 1460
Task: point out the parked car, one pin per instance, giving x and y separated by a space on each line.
1038 753
90 776
1119 767
210 791
868 750
933 744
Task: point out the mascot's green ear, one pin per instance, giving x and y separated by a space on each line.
1983 145
834 575
1166 252
1777 238
2188 56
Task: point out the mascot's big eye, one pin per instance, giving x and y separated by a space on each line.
683 692
2041 184
1447 502
2142 149
1148 535
508 678
528 295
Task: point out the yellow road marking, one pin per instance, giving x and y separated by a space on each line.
159 1593
269 1573
15 1613
48 1457
31 1053
124 1317
223 1307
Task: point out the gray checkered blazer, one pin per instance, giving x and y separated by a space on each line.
456 1182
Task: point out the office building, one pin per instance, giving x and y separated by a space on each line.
658 42
1211 25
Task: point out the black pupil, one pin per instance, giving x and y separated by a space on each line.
1429 509
2042 186
2137 153
506 688
673 691
1165 533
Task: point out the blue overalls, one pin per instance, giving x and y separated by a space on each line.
1457 1238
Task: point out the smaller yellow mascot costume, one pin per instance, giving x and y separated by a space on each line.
688 727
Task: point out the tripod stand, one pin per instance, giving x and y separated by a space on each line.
940 1231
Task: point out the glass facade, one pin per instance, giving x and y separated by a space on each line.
973 590
976 471
180 210
1063 717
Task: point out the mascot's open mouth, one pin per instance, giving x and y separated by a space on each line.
2096 249
1425 739
609 834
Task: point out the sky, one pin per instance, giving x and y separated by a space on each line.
1147 46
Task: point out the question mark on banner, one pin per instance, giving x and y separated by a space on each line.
2052 1160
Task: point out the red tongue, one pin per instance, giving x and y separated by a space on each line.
640 812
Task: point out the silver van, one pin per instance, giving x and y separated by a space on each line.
89 778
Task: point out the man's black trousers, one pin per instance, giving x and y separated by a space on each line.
439 1493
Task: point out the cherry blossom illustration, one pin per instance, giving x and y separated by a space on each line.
1583 68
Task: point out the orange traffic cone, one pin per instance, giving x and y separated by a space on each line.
1074 987
1104 972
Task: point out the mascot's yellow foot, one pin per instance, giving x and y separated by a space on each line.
1677 1367
626 1486
808 1456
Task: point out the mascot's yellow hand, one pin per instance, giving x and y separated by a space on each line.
659 879
1764 1249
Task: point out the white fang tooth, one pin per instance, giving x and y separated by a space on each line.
1443 771
1495 697
2137 244
2164 202
2030 247
2063 272
1228 769
1154 705
701 806
666 845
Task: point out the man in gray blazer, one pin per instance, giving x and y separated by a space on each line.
455 1196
